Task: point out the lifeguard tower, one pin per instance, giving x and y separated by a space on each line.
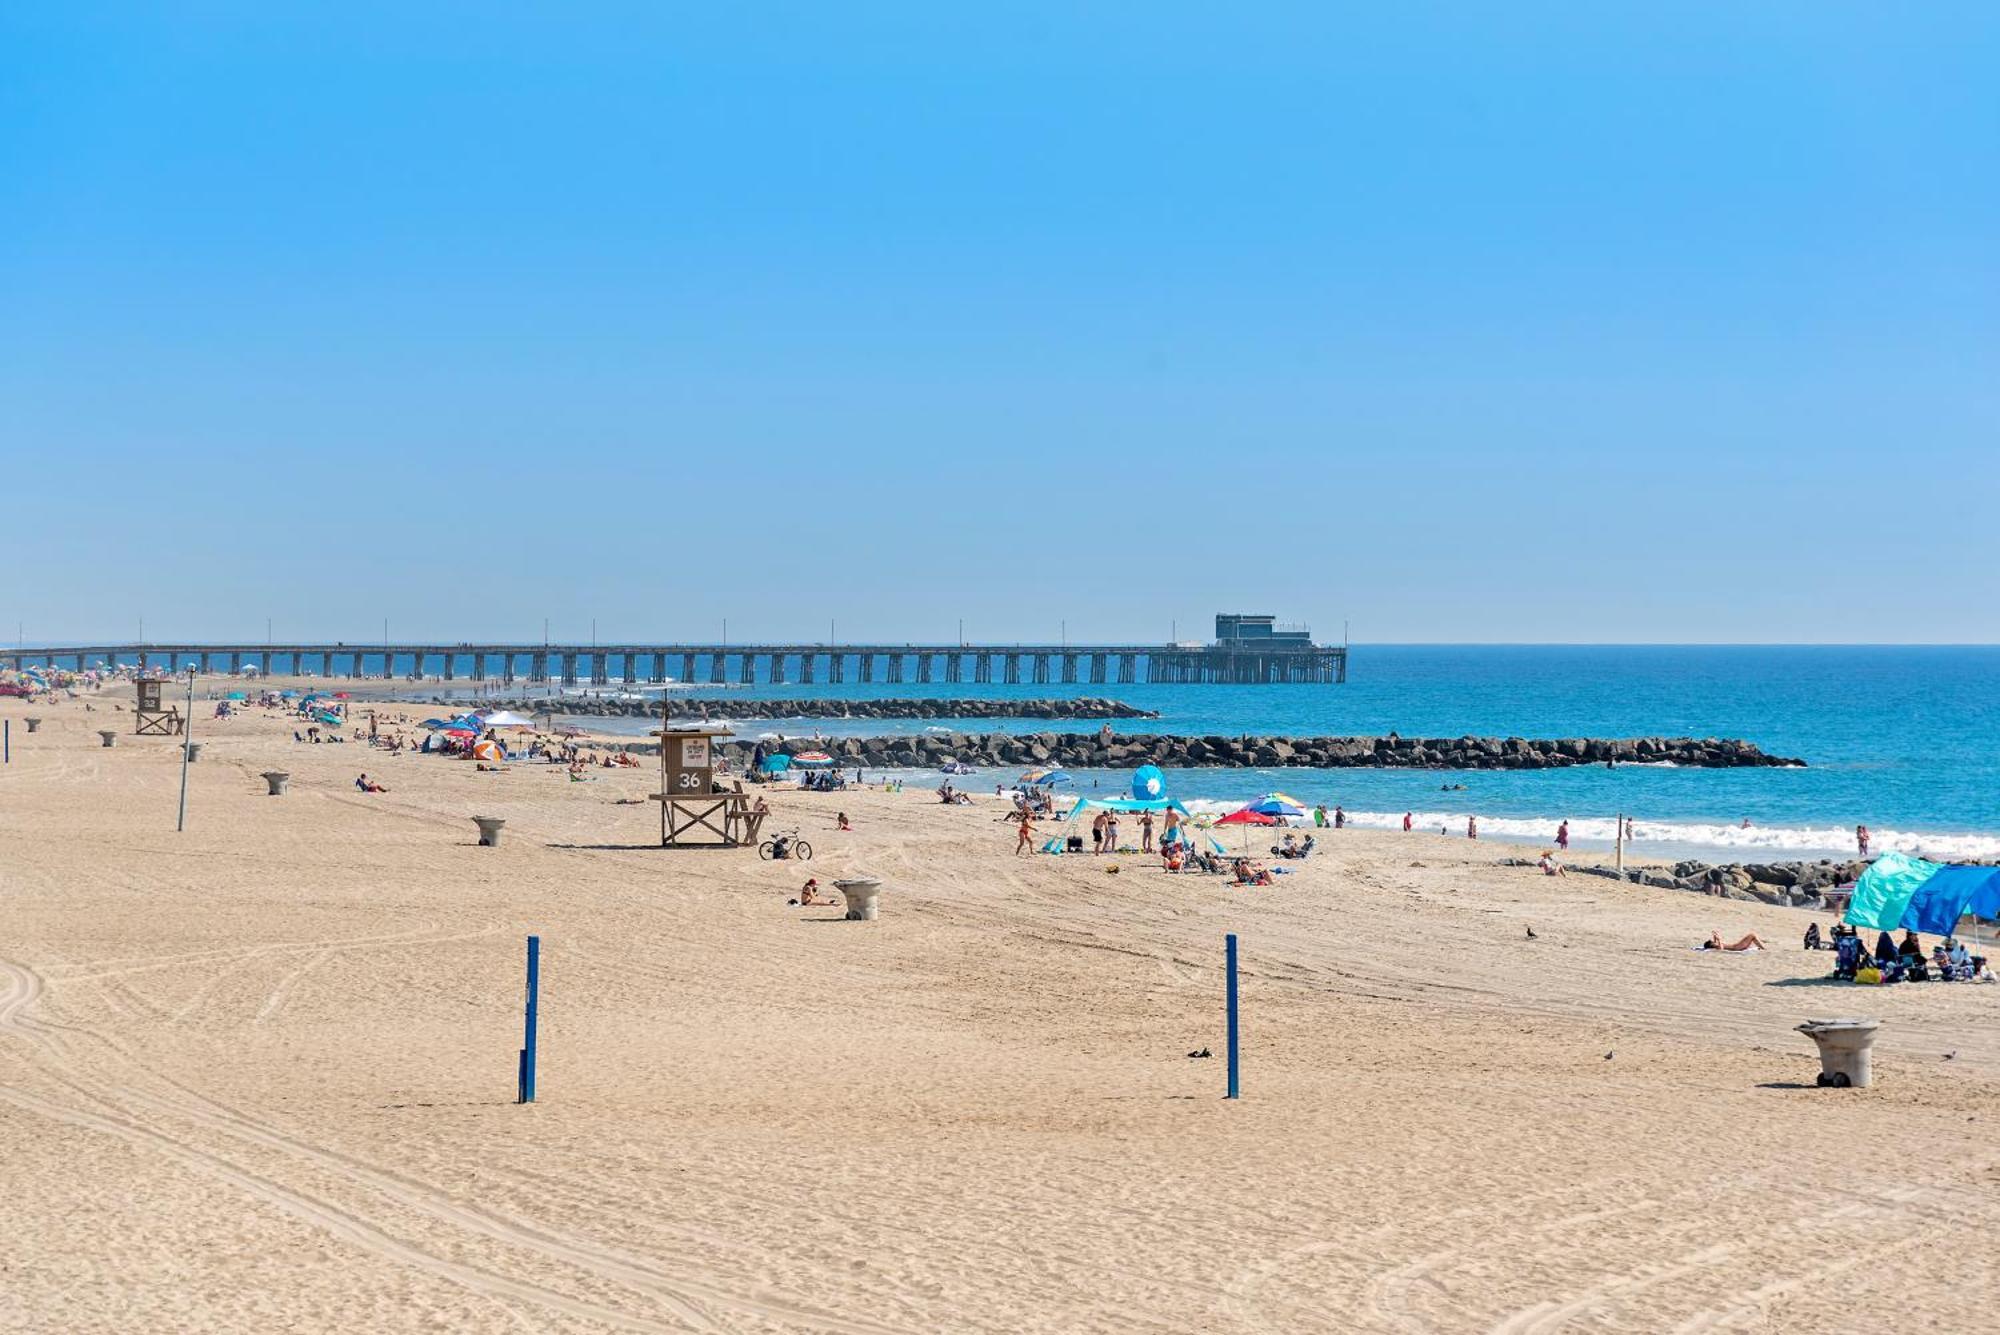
153 719
688 797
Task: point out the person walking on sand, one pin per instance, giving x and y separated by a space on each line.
1339 818
1097 833
1562 836
1407 821
1146 832
1472 827
1861 839
1027 839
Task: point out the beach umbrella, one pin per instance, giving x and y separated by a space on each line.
1248 816
487 751
1277 804
1148 782
434 723
812 759
1045 778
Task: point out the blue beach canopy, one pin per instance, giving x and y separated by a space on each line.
777 763
1882 895
1950 894
1909 893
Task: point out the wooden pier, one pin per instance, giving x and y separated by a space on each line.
744 664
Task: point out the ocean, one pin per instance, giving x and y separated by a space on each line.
1905 740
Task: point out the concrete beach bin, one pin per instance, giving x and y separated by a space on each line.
279 781
489 830
110 737
1844 1047
193 750
34 724
861 894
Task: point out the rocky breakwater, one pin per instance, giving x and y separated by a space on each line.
1797 884
1097 751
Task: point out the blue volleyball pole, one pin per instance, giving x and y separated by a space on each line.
528 1040
1229 992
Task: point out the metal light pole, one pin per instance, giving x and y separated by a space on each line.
187 736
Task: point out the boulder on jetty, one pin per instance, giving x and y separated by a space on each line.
1124 751
747 708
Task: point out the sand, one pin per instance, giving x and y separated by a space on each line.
259 1076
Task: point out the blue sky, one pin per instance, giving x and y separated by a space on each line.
1473 322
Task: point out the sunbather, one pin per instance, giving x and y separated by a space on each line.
1748 941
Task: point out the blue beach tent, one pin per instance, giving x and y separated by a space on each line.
1902 892
1884 890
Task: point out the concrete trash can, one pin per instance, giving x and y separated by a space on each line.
489 830
862 895
193 750
110 737
1844 1046
34 724
279 781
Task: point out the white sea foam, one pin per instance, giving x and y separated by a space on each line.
1756 843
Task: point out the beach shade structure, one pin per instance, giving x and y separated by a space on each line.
1278 804
236 695
506 718
1248 816
487 751
435 723
1883 892
1899 891
1148 781
777 764
812 759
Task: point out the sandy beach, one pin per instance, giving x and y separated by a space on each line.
259 1076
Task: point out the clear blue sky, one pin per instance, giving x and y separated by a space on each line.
1477 322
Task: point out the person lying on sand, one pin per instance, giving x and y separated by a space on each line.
1749 941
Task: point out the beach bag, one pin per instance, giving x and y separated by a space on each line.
1871 975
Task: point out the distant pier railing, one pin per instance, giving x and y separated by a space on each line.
777 664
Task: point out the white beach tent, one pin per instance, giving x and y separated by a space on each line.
505 718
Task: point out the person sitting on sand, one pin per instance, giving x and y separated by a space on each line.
1549 865
368 785
1910 947
1885 949
808 896
840 821
1812 936
1748 941
1249 873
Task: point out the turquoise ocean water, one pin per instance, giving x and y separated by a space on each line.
1905 740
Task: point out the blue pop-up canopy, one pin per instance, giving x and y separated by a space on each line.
1950 894
1899 891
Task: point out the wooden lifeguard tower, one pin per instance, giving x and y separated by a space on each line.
688 797
153 719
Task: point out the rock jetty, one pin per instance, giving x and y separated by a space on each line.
1095 751
685 710
1797 884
